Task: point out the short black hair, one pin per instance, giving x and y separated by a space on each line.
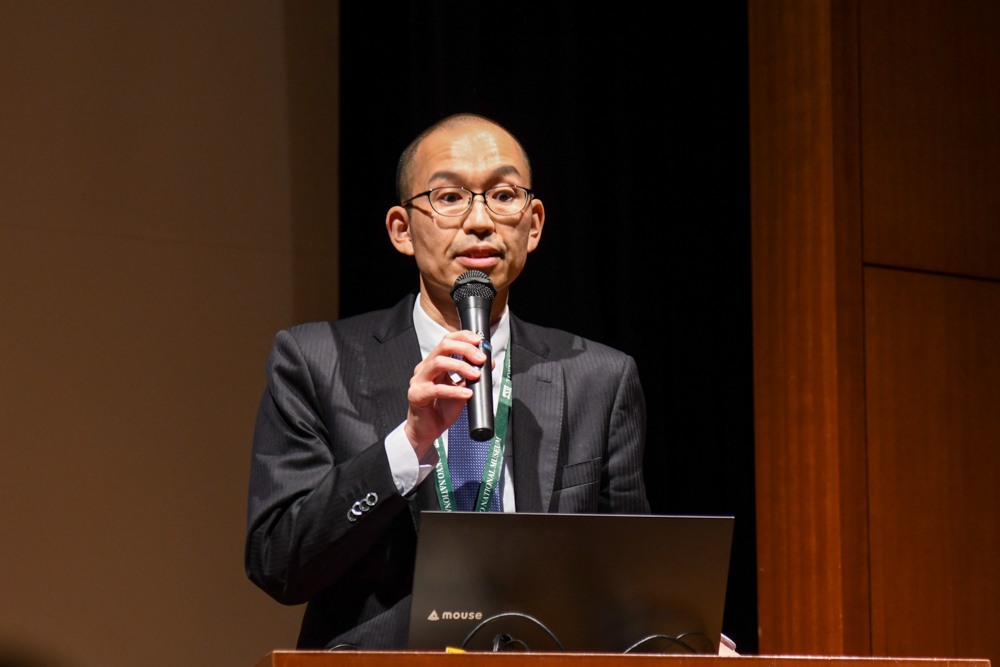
404 170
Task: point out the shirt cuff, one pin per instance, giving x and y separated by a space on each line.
407 471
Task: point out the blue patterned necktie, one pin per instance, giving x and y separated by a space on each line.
466 460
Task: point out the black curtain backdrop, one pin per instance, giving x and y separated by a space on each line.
637 129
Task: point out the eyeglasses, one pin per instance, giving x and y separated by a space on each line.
452 201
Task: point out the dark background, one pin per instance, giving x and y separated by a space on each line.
637 130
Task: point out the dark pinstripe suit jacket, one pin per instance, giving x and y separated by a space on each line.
336 389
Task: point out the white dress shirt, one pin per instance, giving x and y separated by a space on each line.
407 471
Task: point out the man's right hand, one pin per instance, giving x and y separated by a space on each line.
435 400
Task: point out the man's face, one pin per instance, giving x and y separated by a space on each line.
477 157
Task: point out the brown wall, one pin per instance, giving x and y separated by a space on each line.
930 110
933 370
161 217
874 168
930 120
812 551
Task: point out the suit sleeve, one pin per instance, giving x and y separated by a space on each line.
623 490
300 535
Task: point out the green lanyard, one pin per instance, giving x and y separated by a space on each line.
494 458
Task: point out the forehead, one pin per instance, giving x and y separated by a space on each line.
470 149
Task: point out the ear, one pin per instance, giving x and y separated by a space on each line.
397 223
537 222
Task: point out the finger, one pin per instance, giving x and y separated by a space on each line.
464 343
459 348
464 335
433 361
439 367
424 395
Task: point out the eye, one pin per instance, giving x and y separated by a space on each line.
450 196
503 195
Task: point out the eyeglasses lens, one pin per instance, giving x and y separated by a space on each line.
503 200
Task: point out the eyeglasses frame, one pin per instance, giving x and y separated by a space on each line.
472 200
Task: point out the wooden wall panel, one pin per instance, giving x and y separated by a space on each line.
808 341
852 450
876 122
930 97
933 359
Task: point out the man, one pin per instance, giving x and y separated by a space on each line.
345 435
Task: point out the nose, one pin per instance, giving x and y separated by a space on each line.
479 220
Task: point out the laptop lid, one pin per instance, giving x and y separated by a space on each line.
597 582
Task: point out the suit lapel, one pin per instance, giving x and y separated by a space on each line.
396 353
536 418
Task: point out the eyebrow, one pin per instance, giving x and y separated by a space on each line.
495 175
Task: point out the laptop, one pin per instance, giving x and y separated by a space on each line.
574 582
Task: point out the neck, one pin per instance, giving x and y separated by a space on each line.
440 307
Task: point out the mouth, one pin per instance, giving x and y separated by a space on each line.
479 257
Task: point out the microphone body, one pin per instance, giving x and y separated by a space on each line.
473 294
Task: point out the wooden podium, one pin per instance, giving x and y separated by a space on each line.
431 659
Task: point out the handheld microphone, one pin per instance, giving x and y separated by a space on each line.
473 294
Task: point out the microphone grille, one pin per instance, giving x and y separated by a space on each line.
473 283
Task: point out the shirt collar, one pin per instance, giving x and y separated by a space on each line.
430 333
